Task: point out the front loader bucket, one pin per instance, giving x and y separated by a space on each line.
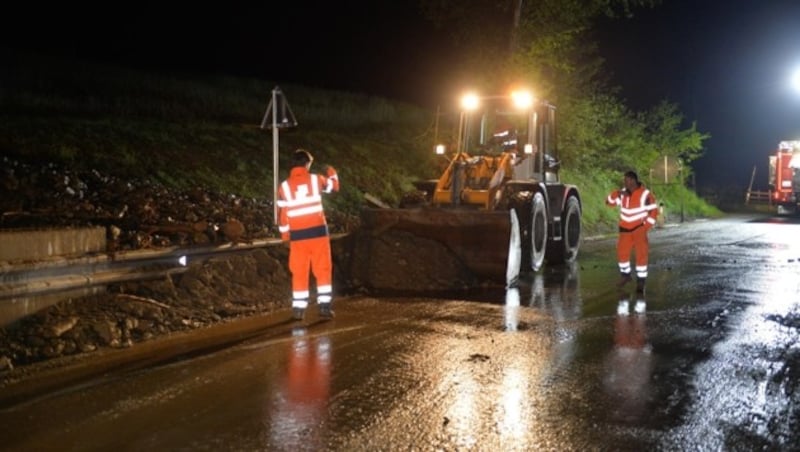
480 239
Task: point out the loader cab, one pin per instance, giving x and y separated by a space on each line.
496 125
504 144
543 162
504 138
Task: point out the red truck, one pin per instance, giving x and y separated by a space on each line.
784 177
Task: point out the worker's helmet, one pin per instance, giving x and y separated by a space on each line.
301 157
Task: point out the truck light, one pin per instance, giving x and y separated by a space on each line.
470 101
528 148
789 144
786 184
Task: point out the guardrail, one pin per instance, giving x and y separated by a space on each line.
30 285
761 197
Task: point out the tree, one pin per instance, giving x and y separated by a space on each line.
544 40
664 123
548 42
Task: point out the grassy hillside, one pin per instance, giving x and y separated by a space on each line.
187 131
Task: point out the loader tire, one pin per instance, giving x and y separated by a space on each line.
566 249
532 215
536 233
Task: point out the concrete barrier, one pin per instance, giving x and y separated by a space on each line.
31 245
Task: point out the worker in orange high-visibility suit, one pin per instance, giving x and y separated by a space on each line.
637 215
302 223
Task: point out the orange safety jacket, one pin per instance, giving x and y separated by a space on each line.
636 209
300 201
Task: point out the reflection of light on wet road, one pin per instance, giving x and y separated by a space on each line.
510 423
557 292
463 412
300 405
779 283
740 383
629 364
509 409
511 310
780 298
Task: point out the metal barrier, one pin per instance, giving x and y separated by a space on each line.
761 197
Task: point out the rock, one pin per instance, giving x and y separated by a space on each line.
233 230
63 326
108 331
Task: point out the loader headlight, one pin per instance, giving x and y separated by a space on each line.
522 99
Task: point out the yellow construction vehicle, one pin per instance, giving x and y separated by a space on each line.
499 205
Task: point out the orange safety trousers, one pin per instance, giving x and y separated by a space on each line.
315 255
633 241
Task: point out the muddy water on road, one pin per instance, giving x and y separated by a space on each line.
566 361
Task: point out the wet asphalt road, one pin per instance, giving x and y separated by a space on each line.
708 360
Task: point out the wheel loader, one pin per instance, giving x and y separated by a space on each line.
499 204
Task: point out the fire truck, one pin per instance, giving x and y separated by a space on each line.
784 177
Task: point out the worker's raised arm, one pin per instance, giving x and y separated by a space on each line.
613 198
331 180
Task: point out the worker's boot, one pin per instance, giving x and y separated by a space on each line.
624 278
298 313
623 307
640 285
325 310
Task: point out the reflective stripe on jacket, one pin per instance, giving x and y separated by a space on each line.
635 209
300 203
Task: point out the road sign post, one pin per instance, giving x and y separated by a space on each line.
277 104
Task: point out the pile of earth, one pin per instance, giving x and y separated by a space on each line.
208 292
136 213
214 291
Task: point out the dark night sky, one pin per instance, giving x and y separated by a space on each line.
727 67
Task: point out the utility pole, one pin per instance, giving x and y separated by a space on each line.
512 42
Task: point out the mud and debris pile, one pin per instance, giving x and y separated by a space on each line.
206 293
144 215
137 214
221 289
399 262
